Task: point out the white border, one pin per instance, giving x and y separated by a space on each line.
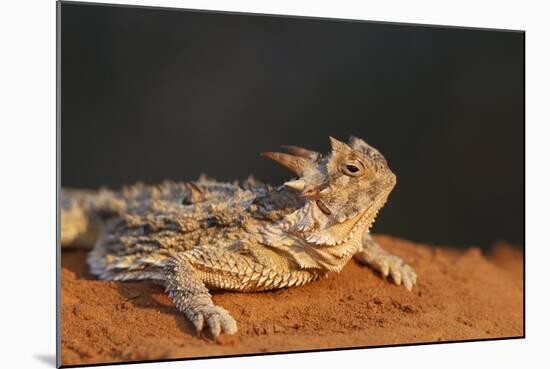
27 151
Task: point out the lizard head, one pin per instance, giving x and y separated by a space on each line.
342 189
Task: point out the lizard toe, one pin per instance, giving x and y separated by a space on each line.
403 274
400 272
409 277
396 275
219 321
198 322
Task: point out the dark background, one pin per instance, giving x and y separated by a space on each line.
149 94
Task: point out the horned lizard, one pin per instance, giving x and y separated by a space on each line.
243 236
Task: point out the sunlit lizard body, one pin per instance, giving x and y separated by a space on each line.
197 236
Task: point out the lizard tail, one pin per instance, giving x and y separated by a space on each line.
80 220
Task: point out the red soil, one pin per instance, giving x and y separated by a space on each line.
460 295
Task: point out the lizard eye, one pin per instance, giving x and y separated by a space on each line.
352 169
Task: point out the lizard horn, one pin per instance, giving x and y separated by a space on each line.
337 145
296 185
301 152
358 144
295 164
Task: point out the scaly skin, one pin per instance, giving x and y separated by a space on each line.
203 235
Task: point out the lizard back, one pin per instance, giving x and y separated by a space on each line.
138 228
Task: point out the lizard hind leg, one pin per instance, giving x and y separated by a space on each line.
190 295
387 264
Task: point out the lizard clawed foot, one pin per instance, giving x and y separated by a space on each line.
191 297
214 318
389 265
400 272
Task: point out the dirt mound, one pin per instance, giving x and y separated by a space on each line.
460 295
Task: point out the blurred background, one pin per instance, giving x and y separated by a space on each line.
153 94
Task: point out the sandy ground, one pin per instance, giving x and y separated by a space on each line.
460 295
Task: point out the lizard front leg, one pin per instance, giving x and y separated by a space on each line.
190 295
190 274
376 257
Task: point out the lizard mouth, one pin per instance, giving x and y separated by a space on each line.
321 205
